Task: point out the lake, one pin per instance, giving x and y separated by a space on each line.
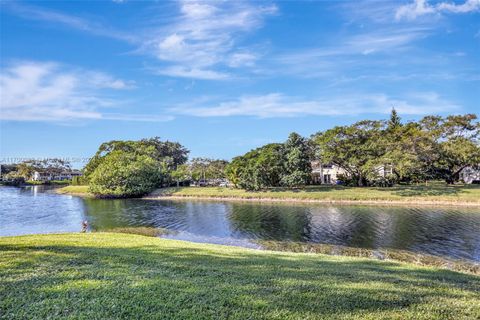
442 231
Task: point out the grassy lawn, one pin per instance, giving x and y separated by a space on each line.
75 190
113 276
435 192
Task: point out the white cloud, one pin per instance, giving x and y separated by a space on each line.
195 73
41 14
204 37
364 11
33 91
421 7
102 80
349 54
241 59
137 117
385 40
275 105
196 43
467 6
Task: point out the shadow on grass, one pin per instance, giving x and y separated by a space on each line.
167 282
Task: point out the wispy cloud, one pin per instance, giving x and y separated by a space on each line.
362 50
362 11
47 91
190 72
31 12
204 36
419 8
276 105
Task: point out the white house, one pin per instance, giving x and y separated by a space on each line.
470 175
45 176
325 173
330 173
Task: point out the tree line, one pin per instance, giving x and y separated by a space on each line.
18 173
434 147
134 168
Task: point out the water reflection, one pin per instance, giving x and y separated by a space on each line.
35 210
448 232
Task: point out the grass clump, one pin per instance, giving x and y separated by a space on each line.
114 276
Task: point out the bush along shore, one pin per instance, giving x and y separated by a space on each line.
108 275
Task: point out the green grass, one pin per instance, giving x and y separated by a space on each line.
119 276
435 192
75 190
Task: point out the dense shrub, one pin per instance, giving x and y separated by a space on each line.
123 174
273 165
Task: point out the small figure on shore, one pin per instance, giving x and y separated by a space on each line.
84 226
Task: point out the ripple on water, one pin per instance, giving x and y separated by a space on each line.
445 232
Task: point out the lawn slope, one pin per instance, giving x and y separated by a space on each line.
113 276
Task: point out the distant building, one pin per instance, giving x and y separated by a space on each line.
219 182
326 173
384 171
470 175
46 176
330 173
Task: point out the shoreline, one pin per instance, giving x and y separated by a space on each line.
321 201
315 249
266 199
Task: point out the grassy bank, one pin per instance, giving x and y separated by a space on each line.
435 193
104 275
75 190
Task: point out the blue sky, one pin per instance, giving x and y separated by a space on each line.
225 77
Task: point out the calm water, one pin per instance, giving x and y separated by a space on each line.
450 232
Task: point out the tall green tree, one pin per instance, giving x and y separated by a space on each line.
455 141
354 148
168 153
297 158
395 121
182 173
125 174
407 148
51 166
206 168
260 168
136 167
